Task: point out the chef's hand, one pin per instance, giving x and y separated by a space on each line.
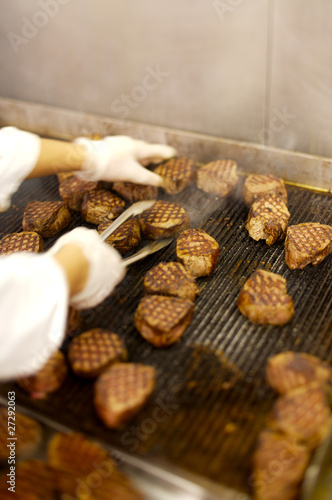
92 267
120 158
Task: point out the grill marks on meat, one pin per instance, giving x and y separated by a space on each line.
218 177
264 299
34 481
178 173
93 351
101 204
198 252
162 320
121 391
27 241
73 189
164 219
132 192
256 186
268 218
307 243
126 237
27 431
171 278
46 217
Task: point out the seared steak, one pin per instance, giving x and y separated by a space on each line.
198 252
178 173
93 351
268 219
73 189
115 487
257 185
135 192
33 481
162 320
307 244
264 299
27 241
101 204
164 219
126 237
46 218
218 177
171 278
121 391
288 370
27 431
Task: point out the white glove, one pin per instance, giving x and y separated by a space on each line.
106 268
117 159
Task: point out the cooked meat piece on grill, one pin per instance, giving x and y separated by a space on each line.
171 278
288 370
73 189
46 218
307 244
63 176
27 431
178 173
33 481
268 218
27 241
163 220
218 177
162 320
121 391
198 252
117 487
279 465
93 351
100 205
75 322
126 237
303 414
135 192
257 185
48 379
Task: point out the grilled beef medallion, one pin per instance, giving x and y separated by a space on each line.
162 320
307 243
178 173
27 241
257 185
264 299
171 278
218 177
132 192
268 218
198 252
279 465
93 351
163 220
33 481
48 379
73 189
121 391
126 237
116 487
27 431
46 218
101 204
288 370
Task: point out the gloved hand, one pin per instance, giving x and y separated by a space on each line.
117 159
106 268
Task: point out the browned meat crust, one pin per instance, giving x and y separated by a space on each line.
27 241
268 218
126 237
264 299
135 192
33 481
73 189
178 173
218 177
27 431
288 370
307 244
46 217
257 185
93 351
164 219
198 252
121 391
171 278
101 204
162 320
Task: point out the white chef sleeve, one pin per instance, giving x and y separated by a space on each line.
33 310
19 153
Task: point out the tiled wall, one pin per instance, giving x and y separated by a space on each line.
257 70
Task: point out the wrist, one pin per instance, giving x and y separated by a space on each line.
75 265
